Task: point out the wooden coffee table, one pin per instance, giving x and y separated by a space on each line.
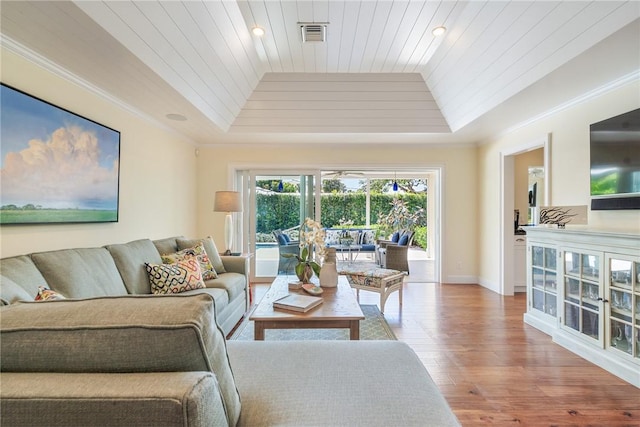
340 309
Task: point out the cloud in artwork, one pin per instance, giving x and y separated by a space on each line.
62 172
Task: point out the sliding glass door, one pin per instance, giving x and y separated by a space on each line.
277 201
278 204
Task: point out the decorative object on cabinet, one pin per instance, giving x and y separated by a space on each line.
563 215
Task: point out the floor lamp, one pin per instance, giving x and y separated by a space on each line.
228 201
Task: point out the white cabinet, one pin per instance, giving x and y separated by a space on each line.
583 289
542 286
582 294
623 298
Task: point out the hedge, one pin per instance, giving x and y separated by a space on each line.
281 211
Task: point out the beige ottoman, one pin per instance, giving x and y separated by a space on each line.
380 280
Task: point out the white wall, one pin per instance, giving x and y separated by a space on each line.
157 171
569 171
460 204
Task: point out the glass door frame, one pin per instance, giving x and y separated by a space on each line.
248 179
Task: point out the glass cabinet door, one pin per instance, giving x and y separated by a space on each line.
582 293
624 305
544 280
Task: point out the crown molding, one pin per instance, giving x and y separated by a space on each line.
56 69
587 96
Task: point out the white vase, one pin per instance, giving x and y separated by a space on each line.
329 275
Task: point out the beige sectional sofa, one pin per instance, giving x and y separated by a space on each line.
119 269
112 354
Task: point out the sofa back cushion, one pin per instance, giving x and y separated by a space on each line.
168 245
22 271
130 258
80 273
11 292
141 333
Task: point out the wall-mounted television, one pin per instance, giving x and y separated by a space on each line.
615 162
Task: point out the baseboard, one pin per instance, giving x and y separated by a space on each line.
627 371
492 286
469 280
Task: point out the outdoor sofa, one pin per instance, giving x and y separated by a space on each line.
114 354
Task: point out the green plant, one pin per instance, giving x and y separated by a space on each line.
420 238
399 217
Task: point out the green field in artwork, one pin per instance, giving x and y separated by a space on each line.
56 216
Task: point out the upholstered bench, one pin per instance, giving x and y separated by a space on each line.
380 280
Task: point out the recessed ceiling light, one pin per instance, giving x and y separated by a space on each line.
257 31
438 31
176 117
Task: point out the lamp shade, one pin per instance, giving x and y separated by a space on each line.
227 201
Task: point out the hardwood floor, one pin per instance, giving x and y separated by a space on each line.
495 370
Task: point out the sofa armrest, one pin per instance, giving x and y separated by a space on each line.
384 243
142 333
167 399
236 264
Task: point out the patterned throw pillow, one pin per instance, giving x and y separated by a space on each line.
208 272
46 294
332 237
209 247
368 237
174 278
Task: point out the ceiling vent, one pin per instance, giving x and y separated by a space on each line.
313 31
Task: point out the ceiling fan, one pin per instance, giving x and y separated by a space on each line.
342 174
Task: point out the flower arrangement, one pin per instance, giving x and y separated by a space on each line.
311 236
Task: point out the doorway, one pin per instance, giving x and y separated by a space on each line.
508 262
260 184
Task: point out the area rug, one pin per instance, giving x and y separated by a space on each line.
373 327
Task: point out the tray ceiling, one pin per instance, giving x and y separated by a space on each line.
379 74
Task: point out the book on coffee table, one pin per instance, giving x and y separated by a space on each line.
295 302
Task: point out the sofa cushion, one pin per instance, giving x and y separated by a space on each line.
233 283
11 292
118 334
368 248
367 237
174 278
80 273
209 246
159 399
130 258
220 297
362 383
197 251
332 236
168 245
22 271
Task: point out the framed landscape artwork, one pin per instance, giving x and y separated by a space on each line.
57 166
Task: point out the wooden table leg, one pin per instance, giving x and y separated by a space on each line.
258 331
354 330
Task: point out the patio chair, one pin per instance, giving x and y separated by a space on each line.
395 257
393 254
286 246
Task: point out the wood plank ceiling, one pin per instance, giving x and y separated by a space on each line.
381 70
